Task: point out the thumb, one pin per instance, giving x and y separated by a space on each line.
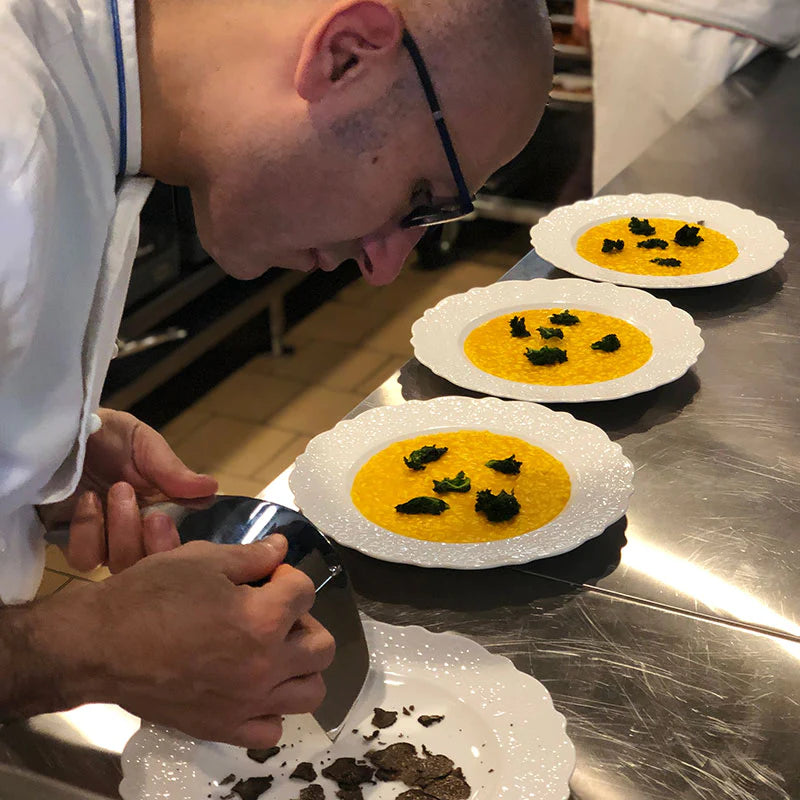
158 463
246 563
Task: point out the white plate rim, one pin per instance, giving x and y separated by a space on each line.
602 479
519 696
677 341
760 242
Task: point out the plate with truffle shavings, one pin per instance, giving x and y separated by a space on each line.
659 241
557 341
461 483
440 717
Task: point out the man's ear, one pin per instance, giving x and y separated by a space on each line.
351 37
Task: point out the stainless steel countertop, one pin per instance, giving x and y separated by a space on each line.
645 637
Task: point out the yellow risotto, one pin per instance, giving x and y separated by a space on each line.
492 349
542 487
714 252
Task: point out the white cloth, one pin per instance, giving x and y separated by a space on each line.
67 243
651 67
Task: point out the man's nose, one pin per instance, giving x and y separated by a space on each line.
388 251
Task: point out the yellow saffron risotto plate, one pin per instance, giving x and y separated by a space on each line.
595 239
478 340
571 482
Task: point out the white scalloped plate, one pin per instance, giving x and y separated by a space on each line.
761 243
601 479
496 718
438 337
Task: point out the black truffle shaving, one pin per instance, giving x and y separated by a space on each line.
260 756
372 736
313 792
348 773
426 720
350 794
687 236
651 244
252 788
227 779
383 719
304 771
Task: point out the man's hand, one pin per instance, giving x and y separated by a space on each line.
128 466
178 640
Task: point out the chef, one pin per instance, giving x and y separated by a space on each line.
654 60
308 132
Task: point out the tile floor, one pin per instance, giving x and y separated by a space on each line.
253 425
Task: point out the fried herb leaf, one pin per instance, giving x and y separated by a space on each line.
564 318
608 344
518 329
545 356
666 262
497 507
612 245
423 505
508 466
641 227
687 236
551 333
651 244
425 455
461 483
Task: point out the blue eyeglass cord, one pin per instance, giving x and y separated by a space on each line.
121 91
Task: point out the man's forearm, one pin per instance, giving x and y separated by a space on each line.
44 659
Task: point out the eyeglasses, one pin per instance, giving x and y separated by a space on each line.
437 211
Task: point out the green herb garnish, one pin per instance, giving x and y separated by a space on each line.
687 236
518 329
545 356
666 262
564 318
641 227
425 455
508 466
497 507
461 483
608 344
650 244
612 245
423 505
551 333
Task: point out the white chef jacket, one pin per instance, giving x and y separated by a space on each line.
68 237
654 60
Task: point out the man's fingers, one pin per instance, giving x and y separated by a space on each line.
124 525
297 695
240 563
87 534
311 647
159 464
258 733
290 590
159 534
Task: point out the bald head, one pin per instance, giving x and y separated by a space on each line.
301 127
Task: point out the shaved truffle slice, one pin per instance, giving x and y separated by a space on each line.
252 788
313 792
348 773
396 762
432 768
426 720
371 737
261 756
350 794
452 787
384 719
414 794
304 771
227 779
